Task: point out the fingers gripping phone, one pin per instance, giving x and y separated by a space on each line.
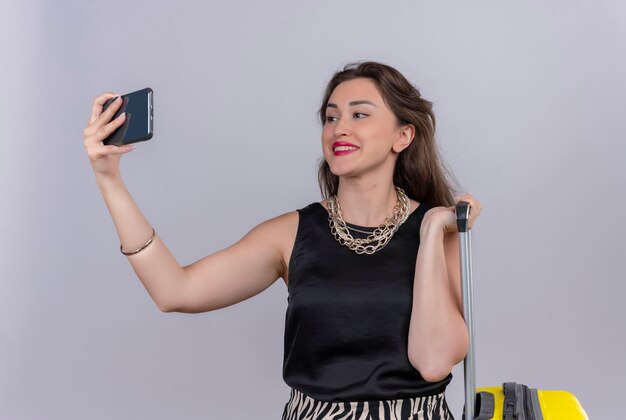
139 110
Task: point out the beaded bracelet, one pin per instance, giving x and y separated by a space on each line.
139 249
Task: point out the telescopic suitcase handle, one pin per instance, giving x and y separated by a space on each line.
469 364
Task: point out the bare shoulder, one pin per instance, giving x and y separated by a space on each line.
280 226
241 270
281 232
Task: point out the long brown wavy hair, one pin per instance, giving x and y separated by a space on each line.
419 170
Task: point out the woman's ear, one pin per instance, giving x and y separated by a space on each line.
406 136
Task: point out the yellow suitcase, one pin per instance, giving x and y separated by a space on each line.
492 403
511 401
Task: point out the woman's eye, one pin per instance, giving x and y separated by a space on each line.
358 115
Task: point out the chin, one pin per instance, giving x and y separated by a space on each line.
343 171
340 170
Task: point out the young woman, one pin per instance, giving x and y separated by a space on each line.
374 320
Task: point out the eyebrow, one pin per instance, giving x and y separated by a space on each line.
352 103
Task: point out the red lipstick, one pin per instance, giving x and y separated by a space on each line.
341 148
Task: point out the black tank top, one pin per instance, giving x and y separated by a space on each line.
347 319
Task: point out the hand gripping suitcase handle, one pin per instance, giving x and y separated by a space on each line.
462 217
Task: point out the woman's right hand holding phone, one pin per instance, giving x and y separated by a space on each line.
104 159
213 282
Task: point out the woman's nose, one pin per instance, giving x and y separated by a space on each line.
341 128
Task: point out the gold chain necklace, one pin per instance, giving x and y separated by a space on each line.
381 235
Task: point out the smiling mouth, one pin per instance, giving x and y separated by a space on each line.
344 148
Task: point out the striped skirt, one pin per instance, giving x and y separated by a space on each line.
303 407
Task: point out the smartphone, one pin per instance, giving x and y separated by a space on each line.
139 110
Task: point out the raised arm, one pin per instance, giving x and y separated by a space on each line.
217 280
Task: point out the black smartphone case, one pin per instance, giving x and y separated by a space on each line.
119 136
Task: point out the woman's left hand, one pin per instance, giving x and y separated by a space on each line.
445 217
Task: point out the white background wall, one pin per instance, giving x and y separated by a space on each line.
529 98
